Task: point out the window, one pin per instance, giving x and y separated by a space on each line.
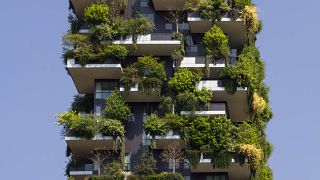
144 3
172 163
127 162
168 26
183 26
98 110
149 15
104 89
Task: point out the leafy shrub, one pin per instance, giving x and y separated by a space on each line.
96 14
240 4
247 134
147 164
114 170
129 77
204 95
151 73
184 80
250 19
147 72
161 176
74 40
110 127
82 103
120 177
264 173
194 157
253 154
248 70
221 159
118 52
85 54
187 101
216 43
174 121
210 135
116 108
83 127
102 32
155 126
66 120
166 104
140 25
212 9
258 103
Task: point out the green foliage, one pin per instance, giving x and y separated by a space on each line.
240 4
155 126
247 134
66 120
264 173
114 170
96 14
216 43
110 127
83 103
184 80
141 25
212 9
83 127
166 104
221 159
74 40
116 108
85 53
147 164
118 52
151 73
129 77
248 70
102 32
161 176
177 57
147 72
187 101
120 177
210 135
204 95
253 154
194 157
174 122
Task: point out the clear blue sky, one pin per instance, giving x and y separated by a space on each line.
35 87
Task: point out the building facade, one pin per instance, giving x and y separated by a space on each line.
229 69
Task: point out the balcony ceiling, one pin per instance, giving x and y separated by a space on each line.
165 5
84 77
235 171
82 148
155 48
80 5
237 104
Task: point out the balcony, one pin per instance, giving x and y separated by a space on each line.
156 44
84 76
165 5
237 104
80 172
214 65
135 95
81 147
162 142
235 170
233 28
214 109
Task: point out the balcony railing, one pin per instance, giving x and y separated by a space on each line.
82 170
